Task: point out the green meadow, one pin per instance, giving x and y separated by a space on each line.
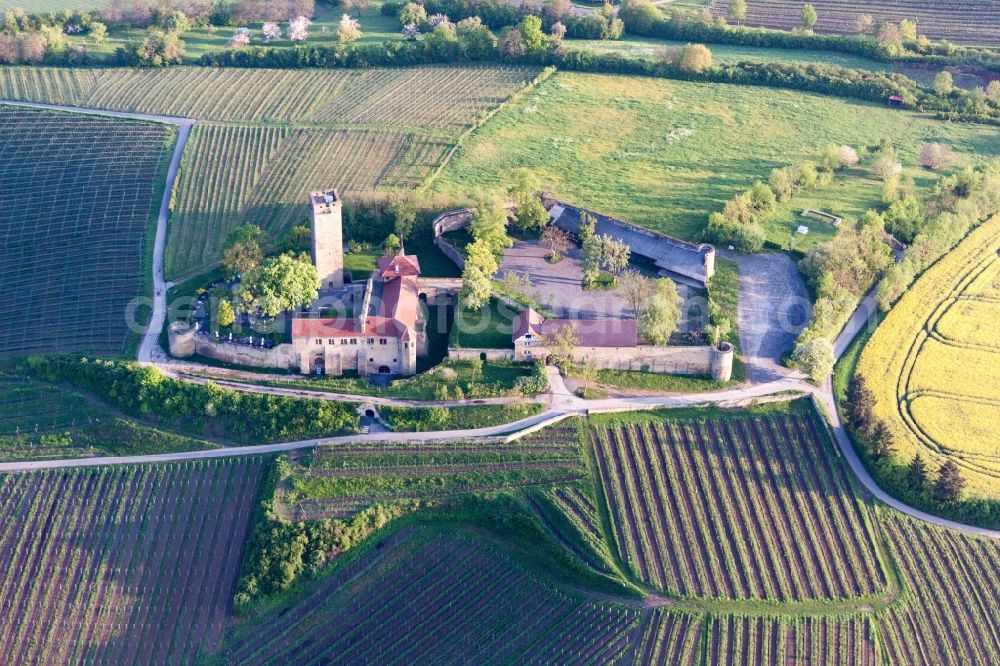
665 153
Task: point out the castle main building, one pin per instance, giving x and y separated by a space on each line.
386 334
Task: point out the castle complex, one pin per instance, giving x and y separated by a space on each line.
385 333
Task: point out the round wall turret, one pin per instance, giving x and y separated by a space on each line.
180 335
722 362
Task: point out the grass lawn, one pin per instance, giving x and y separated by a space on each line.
420 419
652 381
360 264
494 380
489 328
665 154
724 54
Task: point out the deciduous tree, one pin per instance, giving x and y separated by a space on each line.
634 288
298 29
243 250
412 13
936 156
660 313
556 9
696 58
808 16
282 284
348 30
944 84
489 225
615 255
556 241
529 213
738 10
815 358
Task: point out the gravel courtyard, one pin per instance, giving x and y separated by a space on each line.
559 286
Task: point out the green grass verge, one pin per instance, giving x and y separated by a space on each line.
421 419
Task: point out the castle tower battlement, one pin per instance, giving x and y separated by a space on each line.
327 238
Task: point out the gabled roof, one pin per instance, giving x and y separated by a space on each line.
400 302
400 265
313 327
527 322
589 332
671 254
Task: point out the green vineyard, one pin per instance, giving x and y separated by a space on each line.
77 195
952 615
122 564
425 597
747 508
340 480
261 174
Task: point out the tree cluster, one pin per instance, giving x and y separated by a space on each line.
281 553
200 410
936 223
488 227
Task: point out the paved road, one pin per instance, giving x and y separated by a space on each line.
862 317
229 452
173 120
150 340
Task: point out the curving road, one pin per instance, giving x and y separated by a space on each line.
561 401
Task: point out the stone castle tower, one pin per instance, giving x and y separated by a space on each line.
327 238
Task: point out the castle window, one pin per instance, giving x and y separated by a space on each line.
331 341
381 341
371 341
354 341
319 341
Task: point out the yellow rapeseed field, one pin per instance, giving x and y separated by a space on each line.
971 322
934 362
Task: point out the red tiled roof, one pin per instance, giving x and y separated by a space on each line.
400 301
527 322
312 327
590 332
399 265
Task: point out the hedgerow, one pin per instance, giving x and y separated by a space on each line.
202 410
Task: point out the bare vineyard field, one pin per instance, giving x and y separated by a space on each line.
77 194
670 638
805 641
965 21
239 174
121 565
441 598
338 481
952 614
743 508
446 98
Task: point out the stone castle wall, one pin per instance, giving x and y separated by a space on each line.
700 360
